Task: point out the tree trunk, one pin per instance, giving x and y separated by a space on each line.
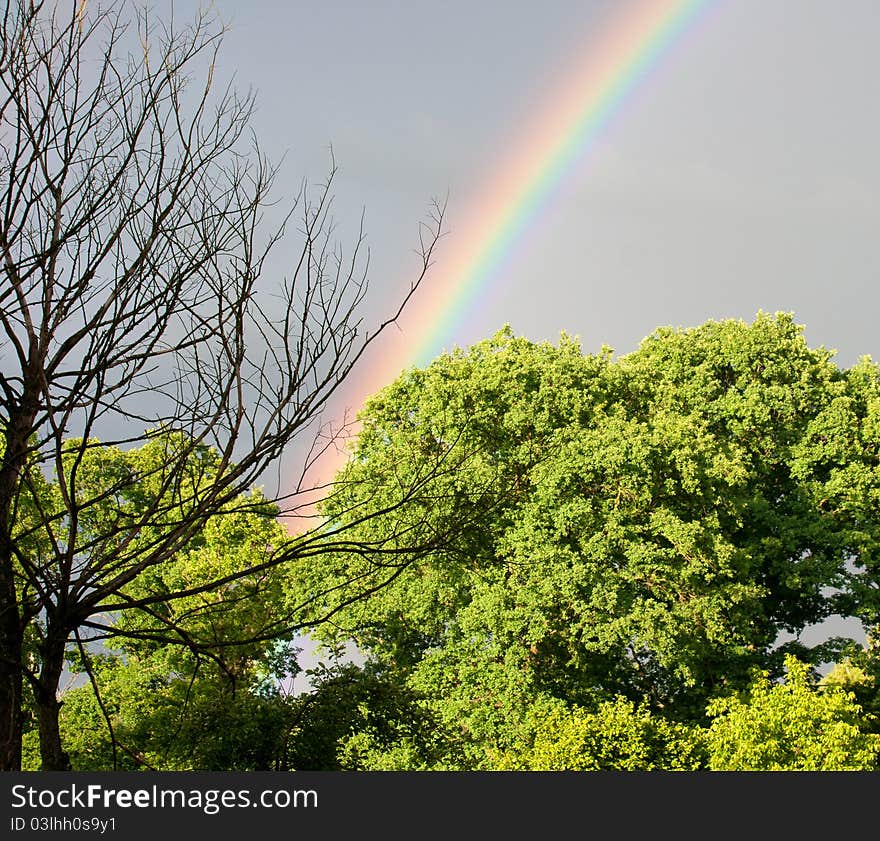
52 755
14 457
10 671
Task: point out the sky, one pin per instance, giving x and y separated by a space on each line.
739 172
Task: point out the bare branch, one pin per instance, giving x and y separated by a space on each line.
135 313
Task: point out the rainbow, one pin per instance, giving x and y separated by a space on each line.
613 66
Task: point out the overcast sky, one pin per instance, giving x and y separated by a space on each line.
742 175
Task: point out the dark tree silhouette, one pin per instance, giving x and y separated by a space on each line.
133 206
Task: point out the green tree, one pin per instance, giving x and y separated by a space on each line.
354 716
618 736
168 710
641 528
790 726
858 673
219 599
209 655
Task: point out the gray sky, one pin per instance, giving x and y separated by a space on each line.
742 175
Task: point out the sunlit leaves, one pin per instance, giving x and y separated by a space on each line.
642 529
790 726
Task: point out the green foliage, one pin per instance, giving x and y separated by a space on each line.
618 736
218 590
360 719
196 645
638 531
169 714
858 673
218 593
610 551
790 726
235 616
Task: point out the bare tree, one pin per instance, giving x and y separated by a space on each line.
133 247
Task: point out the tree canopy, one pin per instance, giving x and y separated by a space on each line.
645 528
587 562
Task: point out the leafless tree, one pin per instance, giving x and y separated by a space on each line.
134 297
